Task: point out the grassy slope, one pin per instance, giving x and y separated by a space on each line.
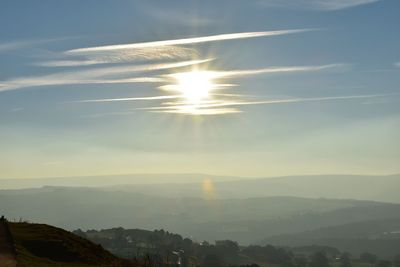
43 245
371 236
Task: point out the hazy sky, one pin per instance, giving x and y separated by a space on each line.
233 87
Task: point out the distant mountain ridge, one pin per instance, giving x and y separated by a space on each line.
362 187
108 180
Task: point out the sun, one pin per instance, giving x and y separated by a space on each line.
195 86
195 93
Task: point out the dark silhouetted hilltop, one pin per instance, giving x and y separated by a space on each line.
40 245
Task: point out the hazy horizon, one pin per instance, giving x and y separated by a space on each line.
201 175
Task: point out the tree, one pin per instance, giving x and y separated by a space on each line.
319 259
300 261
345 260
396 261
227 247
212 260
384 263
368 257
80 233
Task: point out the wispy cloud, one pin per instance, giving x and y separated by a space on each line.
17 109
123 53
95 76
205 111
187 108
186 41
178 16
180 101
13 45
248 72
214 103
69 63
21 44
325 5
156 50
397 64
107 114
217 107
164 97
129 55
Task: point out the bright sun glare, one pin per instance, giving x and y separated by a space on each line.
195 86
195 90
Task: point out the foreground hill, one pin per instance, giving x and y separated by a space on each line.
243 220
40 245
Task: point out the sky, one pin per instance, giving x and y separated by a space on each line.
231 87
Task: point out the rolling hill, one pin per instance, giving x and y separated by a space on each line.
379 236
40 245
244 220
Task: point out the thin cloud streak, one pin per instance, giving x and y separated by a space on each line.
28 43
218 111
123 56
107 114
282 69
225 103
69 63
178 16
323 5
128 99
183 106
95 76
104 100
216 107
234 73
194 40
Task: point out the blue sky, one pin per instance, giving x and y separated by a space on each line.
294 87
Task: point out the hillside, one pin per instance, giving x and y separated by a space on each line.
379 236
244 220
40 245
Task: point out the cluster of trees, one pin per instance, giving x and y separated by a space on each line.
321 259
163 248
286 258
373 259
